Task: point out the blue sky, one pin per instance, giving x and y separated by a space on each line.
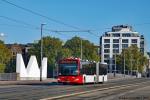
95 15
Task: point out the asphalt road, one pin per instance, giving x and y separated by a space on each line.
53 90
131 92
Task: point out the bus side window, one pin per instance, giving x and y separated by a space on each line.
102 69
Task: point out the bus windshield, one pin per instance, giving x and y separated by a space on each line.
68 69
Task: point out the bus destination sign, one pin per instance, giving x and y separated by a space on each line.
68 61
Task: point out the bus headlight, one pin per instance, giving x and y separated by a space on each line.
77 79
58 79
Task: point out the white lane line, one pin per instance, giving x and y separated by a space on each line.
79 93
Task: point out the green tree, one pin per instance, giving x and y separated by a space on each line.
5 57
64 53
134 59
52 49
89 51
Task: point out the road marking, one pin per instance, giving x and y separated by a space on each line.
79 93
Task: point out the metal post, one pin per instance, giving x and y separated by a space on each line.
124 63
97 72
115 64
41 51
81 49
131 66
137 68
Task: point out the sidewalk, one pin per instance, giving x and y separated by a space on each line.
50 81
29 82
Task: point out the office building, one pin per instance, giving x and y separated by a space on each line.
120 37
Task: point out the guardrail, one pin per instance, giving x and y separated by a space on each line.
8 76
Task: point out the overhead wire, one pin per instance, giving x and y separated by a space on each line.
27 25
51 19
17 21
23 23
38 14
54 20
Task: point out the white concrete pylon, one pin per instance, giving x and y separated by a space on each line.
32 72
44 67
20 67
32 68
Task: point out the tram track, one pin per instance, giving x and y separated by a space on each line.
66 87
112 88
47 91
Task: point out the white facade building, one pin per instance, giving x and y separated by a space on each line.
112 43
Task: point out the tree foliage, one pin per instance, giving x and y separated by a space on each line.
52 49
89 51
134 59
64 53
5 57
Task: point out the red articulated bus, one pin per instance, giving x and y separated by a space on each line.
77 71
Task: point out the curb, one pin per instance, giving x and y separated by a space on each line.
27 82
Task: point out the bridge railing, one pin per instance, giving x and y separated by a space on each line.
8 76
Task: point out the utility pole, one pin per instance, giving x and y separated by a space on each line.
137 63
131 63
41 50
115 63
124 63
81 49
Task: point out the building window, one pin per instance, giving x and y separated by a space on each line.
106 45
107 35
124 46
134 40
142 42
107 61
126 35
113 61
113 67
115 50
141 45
124 40
106 56
115 40
113 56
106 40
106 50
115 45
116 35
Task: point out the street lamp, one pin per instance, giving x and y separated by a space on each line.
41 50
